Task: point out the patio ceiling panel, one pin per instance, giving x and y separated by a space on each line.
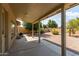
33 12
30 12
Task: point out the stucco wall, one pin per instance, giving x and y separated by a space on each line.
10 17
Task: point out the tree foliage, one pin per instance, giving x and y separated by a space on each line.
29 25
36 26
73 26
52 24
74 23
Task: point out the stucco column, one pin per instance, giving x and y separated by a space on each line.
63 31
0 32
32 30
39 32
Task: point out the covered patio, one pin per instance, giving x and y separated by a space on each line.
32 13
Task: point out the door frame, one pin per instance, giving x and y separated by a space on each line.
4 30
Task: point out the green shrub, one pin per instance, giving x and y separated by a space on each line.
42 30
55 31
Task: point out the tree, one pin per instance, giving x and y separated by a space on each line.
44 26
77 21
52 24
29 25
72 25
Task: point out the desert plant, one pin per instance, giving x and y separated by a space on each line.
42 30
55 31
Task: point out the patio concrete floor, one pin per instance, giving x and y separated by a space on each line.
28 46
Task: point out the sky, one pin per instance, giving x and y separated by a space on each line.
71 13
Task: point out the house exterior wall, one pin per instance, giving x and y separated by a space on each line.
9 18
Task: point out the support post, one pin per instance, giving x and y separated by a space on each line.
39 32
0 30
32 30
63 31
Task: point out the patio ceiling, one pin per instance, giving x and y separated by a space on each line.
33 12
